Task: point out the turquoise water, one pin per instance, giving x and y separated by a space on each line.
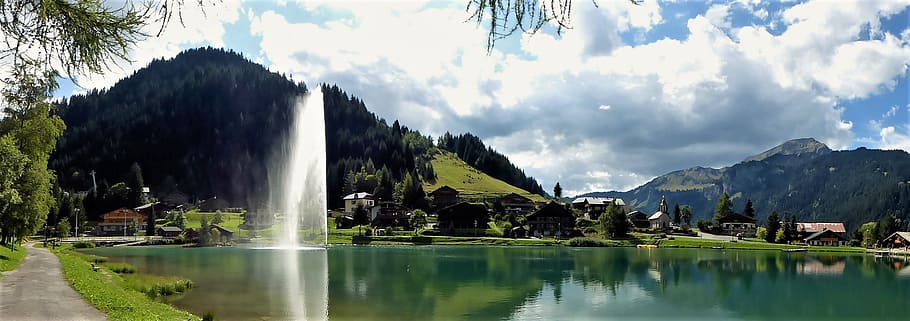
528 283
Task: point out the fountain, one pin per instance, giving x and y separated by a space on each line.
304 185
303 198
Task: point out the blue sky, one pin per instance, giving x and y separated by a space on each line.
629 93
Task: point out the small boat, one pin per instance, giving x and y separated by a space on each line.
718 247
647 246
795 250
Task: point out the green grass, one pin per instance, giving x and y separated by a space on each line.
747 245
157 285
232 221
111 294
451 240
121 268
10 258
470 182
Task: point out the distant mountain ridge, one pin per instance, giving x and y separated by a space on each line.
802 177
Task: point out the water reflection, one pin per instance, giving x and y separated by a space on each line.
490 283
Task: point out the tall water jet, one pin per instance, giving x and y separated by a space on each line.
304 185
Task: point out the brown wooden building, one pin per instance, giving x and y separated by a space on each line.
444 196
120 222
517 204
738 224
553 219
462 218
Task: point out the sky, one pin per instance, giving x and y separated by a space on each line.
629 93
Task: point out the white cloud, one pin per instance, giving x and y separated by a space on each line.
718 15
604 107
892 138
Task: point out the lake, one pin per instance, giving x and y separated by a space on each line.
527 283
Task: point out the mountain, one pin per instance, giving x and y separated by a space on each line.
472 184
210 123
802 177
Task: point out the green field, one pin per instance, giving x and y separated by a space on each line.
747 245
232 221
470 182
110 293
10 258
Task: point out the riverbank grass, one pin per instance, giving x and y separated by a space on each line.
748 245
111 293
10 258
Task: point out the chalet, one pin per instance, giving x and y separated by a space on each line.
344 222
389 214
352 201
224 235
154 210
120 222
803 230
444 196
551 220
737 224
168 231
826 237
897 240
593 206
462 218
517 204
519 232
638 219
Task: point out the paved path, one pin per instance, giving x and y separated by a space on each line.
37 290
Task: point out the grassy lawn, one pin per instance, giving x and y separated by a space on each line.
10 258
748 245
110 293
470 182
232 221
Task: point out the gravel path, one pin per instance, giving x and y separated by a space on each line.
37 290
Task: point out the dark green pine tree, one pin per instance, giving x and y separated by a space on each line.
773 226
135 183
724 207
557 191
749 211
677 215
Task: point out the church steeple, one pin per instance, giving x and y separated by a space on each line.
663 205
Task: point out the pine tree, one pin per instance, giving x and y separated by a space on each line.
773 227
724 207
135 184
749 211
677 215
557 191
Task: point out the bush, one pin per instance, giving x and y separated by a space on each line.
84 245
761 233
583 222
587 242
590 230
121 268
429 232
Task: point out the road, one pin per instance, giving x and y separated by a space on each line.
37 290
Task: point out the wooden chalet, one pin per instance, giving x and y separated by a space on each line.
738 225
168 231
224 235
517 204
803 230
638 219
389 215
552 219
120 222
462 218
897 240
444 196
826 237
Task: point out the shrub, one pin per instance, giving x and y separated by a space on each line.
583 222
761 233
587 242
590 230
84 244
121 268
429 232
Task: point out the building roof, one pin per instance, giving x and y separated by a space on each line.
636 214
142 207
222 228
515 196
903 235
170 229
552 209
818 227
656 216
736 218
444 188
599 201
358 196
823 232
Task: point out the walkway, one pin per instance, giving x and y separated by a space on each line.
37 290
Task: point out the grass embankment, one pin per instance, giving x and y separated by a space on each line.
112 293
471 183
231 221
10 258
748 245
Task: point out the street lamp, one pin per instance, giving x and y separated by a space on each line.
77 224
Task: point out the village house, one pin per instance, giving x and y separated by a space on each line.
154 210
352 201
444 196
462 218
638 219
826 237
553 219
225 235
517 204
388 214
738 225
897 240
594 206
120 222
168 231
804 230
